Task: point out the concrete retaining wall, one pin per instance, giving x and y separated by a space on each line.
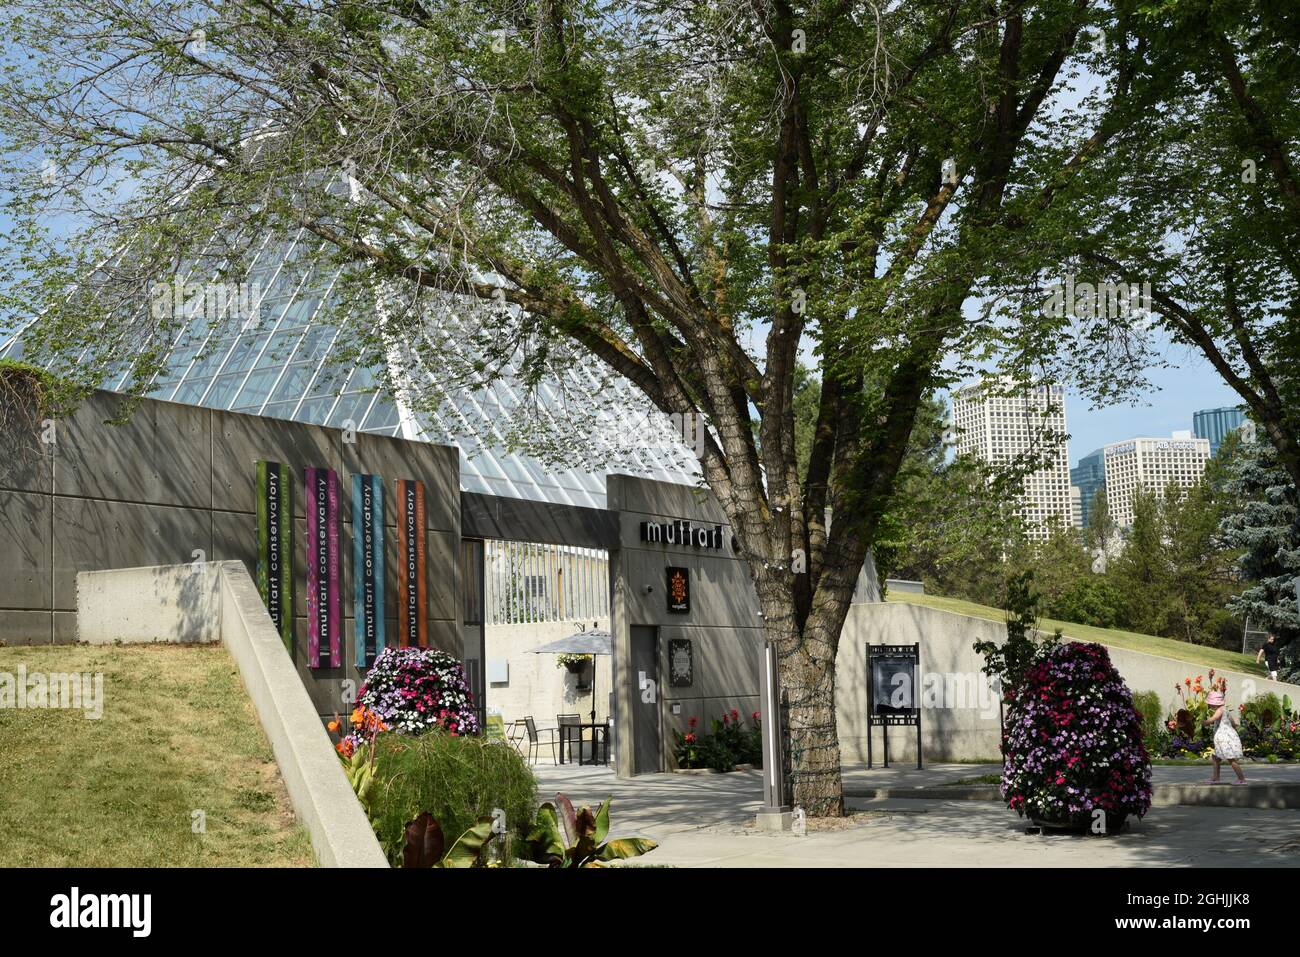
180 604
220 601
175 484
964 724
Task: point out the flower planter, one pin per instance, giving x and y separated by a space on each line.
1114 824
575 667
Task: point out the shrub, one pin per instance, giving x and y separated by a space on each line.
457 779
1073 742
416 689
1154 731
730 743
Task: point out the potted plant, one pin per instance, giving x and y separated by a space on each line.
574 664
1074 752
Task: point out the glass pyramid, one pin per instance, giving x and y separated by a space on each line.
285 363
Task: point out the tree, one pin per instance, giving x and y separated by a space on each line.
694 196
1265 525
1200 200
1141 572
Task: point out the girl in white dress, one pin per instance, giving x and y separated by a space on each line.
1227 746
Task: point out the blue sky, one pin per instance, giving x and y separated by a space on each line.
1190 384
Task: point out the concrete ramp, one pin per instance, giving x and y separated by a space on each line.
218 601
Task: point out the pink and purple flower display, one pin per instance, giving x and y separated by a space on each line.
1073 742
414 690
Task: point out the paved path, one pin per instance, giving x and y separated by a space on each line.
705 821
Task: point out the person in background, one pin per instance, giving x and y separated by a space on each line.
1268 654
1227 745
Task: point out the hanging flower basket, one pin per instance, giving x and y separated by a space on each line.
574 664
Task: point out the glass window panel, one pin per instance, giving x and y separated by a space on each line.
279 410
223 391
257 388
383 414
314 410
191 391
351 406
294 383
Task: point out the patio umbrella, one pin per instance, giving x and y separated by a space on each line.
596 642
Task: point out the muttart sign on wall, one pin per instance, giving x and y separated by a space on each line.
323 600
412 626
683 533
368 566
275 545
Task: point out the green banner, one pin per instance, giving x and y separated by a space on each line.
275 545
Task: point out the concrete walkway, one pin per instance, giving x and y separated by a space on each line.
706 821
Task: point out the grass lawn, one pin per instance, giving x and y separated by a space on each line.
1201 655
178 735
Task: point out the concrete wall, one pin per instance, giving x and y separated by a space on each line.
180 604
960 722
723 622
176 483
536 686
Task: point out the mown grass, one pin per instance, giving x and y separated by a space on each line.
178 736
1200 655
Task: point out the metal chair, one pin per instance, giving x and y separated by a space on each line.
535 742
567 723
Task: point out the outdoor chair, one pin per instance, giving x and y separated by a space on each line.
535 739
566 723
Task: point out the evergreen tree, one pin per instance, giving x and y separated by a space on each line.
1266 525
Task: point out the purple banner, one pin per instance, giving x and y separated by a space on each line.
323 604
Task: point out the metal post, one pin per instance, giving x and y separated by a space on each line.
916 703
774 815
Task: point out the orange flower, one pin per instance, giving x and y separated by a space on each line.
333 726
358 715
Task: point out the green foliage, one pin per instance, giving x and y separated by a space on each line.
1152 712
1010 661
459 780
731 742
426 846
1265 525
569 838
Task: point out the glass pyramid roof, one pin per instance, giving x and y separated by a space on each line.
285 363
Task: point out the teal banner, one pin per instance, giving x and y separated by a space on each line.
368 566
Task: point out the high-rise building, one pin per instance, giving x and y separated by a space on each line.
1151 464
1001 428
1215 424
1089 476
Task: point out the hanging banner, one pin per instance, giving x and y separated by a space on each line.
323 600
412 621
368 566
275 545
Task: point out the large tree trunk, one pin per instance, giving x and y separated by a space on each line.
806 663
808 691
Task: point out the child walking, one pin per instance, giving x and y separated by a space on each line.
1227 746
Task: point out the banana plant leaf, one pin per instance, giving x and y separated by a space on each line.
424 842
468 849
